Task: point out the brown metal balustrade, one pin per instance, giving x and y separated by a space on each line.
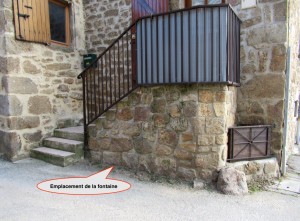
195 45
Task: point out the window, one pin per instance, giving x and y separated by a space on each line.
59 22
43 21
190 3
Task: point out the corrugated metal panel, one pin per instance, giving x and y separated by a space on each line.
183 47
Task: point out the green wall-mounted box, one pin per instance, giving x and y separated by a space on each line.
89 59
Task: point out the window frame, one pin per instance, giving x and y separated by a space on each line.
67 23
189 3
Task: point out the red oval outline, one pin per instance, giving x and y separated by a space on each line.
70 194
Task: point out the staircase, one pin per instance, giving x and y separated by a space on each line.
63 149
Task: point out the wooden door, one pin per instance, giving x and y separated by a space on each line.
142 8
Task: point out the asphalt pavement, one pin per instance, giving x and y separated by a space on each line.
146 200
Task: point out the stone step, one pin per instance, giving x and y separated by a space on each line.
71 133
65 145
53 156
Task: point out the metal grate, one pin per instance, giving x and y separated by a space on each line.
249 142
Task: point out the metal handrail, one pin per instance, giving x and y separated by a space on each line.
109 78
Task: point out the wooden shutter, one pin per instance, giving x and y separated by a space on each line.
31 19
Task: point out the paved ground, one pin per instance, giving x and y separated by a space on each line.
291 182
20 200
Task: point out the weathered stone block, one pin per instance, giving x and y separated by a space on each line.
158 92
112 159
39 105
19 123
10 105
174 110
190 147
280 11
124 114
110 115
165 166
206 110
187 137
271 168
163 150
63 88
221 139
278 61
179 124
206 96
206 140
183 154
95 157
161 120
130 160
30 68
215 126
121 145
198 184
100 144
253 168
146 163
58 66
10 144
204 149
19 85
220 109
147 99
232 182
13 65
251 22
190 109
264 86
132 130
111 13
158 106
208 161
198 125
172 95
142 146
187 174
141 114
167 137
33 137
135 98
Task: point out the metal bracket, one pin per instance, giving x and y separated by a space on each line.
23 16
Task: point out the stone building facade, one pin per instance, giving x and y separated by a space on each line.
39 90
269 54
261 97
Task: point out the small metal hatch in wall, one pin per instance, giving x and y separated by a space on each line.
249 142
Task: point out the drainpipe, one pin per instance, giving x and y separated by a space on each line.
286 103
286 109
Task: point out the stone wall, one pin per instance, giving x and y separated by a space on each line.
256 170
263 66
3 66
176 131
105 21
294 37
39 88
